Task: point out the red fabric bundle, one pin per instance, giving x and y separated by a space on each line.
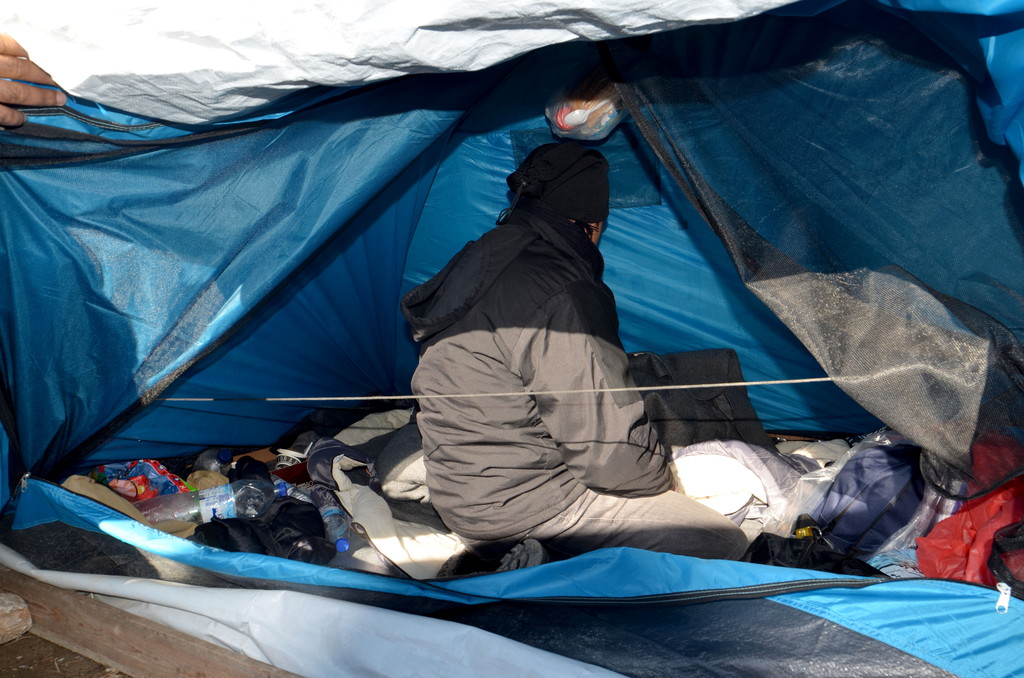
959 546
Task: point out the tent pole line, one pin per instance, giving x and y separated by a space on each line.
672 387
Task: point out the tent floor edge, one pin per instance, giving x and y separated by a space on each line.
87 626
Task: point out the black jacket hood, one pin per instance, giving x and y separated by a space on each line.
441 301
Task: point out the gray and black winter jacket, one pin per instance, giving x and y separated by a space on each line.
522 314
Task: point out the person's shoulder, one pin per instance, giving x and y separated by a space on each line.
540 265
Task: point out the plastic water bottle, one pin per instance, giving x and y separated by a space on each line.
354 550
213 459
291 489
337 524
246 498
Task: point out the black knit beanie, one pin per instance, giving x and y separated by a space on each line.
567 178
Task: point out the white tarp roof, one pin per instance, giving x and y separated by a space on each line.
192 61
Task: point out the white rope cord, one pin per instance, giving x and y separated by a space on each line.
673 387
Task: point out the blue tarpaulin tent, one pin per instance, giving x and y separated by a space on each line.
829 191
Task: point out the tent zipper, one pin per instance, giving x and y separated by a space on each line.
707 596
90 120
764 591
1005 593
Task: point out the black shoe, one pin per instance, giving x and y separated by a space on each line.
526 553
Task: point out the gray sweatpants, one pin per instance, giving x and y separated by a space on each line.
668 522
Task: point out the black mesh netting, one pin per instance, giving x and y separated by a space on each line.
849 176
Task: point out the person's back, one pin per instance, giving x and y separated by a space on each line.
494 467
520 328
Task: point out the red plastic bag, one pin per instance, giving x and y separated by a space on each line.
959 546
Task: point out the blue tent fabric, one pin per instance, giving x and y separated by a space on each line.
923 331
170 288
308 320
153 286
50 425
987 39
951 626
328 320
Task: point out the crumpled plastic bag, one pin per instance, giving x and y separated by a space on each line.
589 110
959 546
140 479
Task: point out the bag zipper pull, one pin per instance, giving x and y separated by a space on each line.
1003 604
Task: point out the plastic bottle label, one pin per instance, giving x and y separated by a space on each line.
219 501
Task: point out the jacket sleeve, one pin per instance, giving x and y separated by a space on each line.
604 438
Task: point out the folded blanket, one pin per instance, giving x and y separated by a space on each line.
418 549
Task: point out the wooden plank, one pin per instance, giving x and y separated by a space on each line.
125 641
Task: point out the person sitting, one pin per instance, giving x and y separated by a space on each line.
530 427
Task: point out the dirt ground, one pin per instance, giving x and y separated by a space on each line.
30 656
